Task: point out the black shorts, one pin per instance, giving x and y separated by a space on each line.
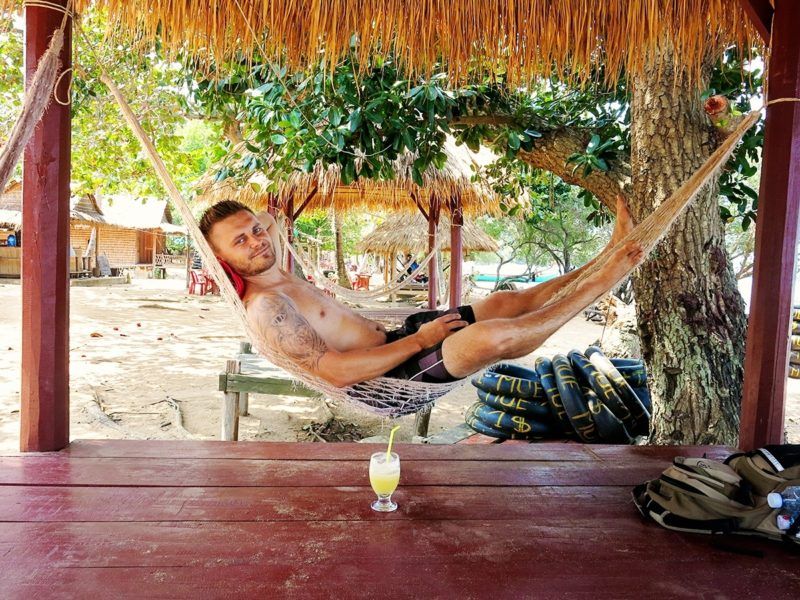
426 366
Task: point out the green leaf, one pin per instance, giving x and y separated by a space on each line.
278 139
593 144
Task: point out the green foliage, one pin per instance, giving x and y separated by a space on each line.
106 157
739 81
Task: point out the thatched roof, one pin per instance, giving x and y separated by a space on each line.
524 38
121 210
409 233
453 180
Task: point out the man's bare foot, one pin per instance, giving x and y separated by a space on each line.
624 223
623 260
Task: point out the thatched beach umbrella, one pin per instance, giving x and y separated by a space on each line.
407 233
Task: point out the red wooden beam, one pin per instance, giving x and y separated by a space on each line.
456 251
760 14
288 210
433 267
303 206
419 205
766 362
44 413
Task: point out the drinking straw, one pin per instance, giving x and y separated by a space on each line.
391 439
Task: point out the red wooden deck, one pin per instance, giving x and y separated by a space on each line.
214 519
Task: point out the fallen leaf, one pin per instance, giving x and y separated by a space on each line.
95 334
138 324
116 328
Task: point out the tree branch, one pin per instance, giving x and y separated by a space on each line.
551 151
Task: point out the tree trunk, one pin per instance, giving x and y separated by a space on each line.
341 268
691 317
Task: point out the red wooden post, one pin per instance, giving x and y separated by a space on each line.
776 241
288 210
456 251
44 414
433 267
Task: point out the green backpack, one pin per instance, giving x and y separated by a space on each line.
701 495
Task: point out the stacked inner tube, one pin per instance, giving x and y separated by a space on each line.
583 396
794 355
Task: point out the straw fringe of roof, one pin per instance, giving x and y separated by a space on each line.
409 233
453 181
523 38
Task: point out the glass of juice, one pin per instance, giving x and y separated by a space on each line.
383 477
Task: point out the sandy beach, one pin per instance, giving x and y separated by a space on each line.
140 352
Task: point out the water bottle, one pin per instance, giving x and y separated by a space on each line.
789 502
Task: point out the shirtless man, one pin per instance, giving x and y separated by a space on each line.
333 342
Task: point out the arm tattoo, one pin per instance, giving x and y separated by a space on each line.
287 332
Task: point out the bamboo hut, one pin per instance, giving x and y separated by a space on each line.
454 188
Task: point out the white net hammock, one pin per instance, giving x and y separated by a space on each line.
395 397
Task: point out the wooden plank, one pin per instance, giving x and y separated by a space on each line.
474 559
257 384
759 12
546 451
44 413
105 503
766 361
170 472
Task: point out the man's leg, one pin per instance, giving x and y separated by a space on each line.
485 342
510 304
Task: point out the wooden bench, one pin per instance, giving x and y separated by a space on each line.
250 373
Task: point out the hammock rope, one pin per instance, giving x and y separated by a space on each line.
357 296
37 98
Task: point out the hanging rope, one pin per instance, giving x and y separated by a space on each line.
37 98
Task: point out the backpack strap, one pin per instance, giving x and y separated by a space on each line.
648 506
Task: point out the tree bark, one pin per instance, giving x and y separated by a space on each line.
690 315
341 268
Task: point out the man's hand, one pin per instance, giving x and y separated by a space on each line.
431 333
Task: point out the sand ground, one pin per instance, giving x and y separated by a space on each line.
138 351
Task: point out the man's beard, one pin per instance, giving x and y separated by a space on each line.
255 265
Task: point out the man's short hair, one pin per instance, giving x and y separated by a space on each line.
221 210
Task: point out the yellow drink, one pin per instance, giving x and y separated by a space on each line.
383 477
384 483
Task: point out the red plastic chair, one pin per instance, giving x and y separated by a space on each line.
199 283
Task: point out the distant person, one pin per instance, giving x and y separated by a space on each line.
11 240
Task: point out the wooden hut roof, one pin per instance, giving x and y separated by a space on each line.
409 233
521 38
453 180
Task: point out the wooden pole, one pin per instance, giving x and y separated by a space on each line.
230 407
766 361
44 413
456 251
288 210
433 268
